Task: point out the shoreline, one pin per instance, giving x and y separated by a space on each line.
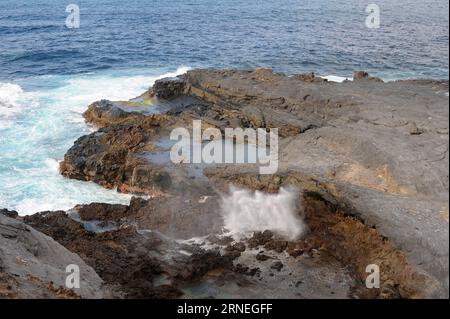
336 145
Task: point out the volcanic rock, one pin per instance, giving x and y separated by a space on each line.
169 88
277 265
353 144
33 265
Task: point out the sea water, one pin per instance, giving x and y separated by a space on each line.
39 121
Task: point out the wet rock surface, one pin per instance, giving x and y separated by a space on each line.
329 260
131 261
369 160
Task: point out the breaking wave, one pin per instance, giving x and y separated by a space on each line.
9 97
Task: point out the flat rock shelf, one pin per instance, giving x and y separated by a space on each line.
368 162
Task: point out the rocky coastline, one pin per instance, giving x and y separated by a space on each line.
368 159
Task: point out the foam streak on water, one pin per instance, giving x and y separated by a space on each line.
40 118
246 211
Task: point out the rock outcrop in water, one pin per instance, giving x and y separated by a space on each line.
370 160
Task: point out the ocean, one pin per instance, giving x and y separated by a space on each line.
50 73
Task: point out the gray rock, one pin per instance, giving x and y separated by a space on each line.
168 88
378 151
35 265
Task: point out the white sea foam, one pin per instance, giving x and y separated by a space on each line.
39 124
58 197
245 211
442 92
13 99
10 95
335 78
80 91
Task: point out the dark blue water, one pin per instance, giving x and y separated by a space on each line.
49 74
327 36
